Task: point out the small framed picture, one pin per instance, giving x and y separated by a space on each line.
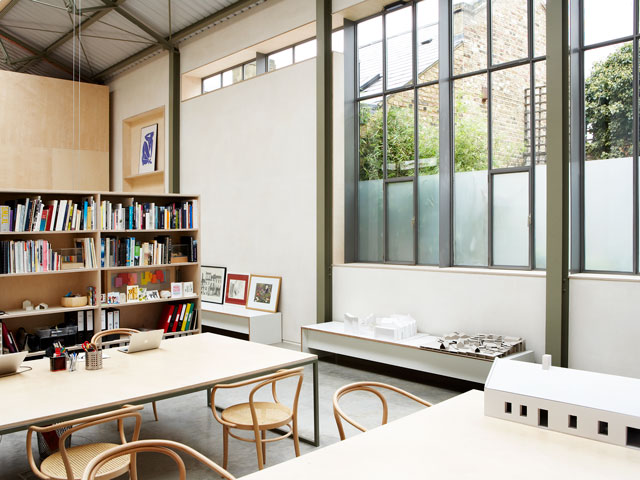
142 295
237 286
176 289
148 144
133 293
113 298
153 295
264 293
187 288
212 284
123 298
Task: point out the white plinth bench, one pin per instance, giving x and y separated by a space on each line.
259 327
330 337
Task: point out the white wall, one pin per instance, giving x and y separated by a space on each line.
250 151
604 324
448 300
136 91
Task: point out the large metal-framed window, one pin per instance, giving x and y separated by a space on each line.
604 136
459 187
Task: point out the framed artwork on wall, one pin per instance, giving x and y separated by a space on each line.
212 284
264 293
148 146
237 286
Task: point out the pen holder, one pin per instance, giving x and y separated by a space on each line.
57 364
93 360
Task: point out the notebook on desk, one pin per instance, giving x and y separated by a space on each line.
142 341
10 362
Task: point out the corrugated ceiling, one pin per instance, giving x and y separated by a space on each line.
36 26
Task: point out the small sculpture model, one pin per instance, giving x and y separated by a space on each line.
165 294
27 305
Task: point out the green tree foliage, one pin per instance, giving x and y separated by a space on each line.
608 95
470 142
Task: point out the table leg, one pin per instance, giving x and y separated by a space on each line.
208 392
316 406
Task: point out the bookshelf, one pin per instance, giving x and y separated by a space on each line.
50 286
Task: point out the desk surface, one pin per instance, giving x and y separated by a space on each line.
455 440
180 365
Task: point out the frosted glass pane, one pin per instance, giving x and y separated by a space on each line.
470 216
541 216
428 226
511 219
608 215
370 221
400 222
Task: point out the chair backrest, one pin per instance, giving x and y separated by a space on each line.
371 387
113 331
72 426
165 447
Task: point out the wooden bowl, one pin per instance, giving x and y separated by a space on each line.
73 301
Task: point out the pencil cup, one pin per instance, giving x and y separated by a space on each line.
93 360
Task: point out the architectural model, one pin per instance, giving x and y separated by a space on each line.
586 404
480 345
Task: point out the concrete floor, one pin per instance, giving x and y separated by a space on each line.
188 420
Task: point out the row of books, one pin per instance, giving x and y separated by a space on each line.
178 317
29 256
129 252
34 215
148 216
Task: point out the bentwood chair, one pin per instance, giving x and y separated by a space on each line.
371 387
121 331
259 417
165 447
68 463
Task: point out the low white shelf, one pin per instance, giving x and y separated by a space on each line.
260 327
330 337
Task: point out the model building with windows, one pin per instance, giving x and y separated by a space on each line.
587 404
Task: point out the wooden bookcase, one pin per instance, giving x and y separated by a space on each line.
50 287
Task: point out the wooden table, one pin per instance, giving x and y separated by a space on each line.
180 366
455 440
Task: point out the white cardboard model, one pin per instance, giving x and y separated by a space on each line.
586 404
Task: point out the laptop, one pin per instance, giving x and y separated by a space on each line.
10 362
141 341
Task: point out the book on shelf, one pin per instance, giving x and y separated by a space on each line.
178 317
133 215
28 256
8 342
36 215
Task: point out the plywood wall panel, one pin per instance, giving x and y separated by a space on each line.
54 133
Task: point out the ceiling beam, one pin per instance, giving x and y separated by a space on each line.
213 18
178 36
34 51
4 9
67 36
141 25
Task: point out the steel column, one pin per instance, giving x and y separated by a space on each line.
174 121
557 285
324 160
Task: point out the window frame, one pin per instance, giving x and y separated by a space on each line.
445 84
